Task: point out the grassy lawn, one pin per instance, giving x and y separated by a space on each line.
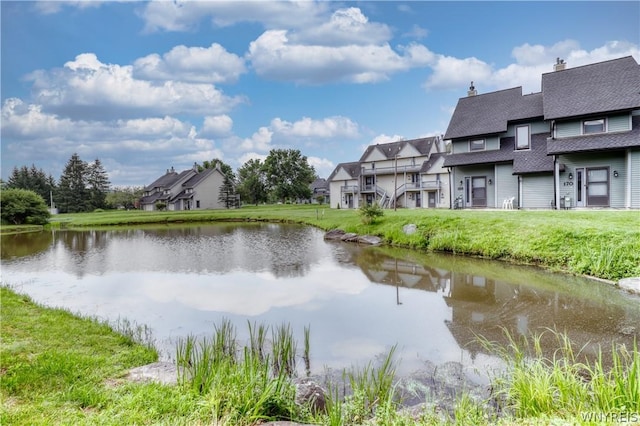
599 243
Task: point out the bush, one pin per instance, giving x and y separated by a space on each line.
369 213
160 205
21 206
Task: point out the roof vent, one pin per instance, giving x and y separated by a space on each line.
559 65
472 90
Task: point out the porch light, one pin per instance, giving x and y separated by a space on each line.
490 181
460 183
615 173
570 176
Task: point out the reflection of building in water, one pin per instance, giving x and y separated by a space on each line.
483 304
490 308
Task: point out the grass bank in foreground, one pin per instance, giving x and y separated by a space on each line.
50 378
603 244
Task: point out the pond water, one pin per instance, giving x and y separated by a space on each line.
358 301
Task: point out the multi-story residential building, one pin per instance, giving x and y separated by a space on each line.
575 143
407 173
187 190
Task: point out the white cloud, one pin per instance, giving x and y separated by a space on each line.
450 72
322 166
215 126
87 88
345 27
259 141
531 62
273 56
330 127
185 15
385 139
251 156
212 64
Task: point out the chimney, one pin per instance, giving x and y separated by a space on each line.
195 166
559 65
472 90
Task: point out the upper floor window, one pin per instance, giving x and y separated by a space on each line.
476 145
593 126
523 140
373 166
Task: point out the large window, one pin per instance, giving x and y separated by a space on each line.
593 126
476 145
523 140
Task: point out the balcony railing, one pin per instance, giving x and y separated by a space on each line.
349 189
392 170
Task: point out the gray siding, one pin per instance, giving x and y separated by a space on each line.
537 191
615 161
619 123
635 179
506 184
568 129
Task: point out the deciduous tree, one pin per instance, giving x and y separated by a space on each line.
288 174
21 206
251 182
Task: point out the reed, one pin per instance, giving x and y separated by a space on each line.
283 350
563 385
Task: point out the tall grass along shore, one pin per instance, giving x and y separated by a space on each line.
48 378
599 243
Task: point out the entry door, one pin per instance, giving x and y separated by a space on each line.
598 186
581 188
479 191
431 196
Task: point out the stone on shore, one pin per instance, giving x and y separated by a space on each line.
632 284
350 237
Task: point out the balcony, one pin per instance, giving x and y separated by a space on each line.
391 170
349 189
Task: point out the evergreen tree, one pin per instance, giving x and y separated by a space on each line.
98 185
32 179
73 195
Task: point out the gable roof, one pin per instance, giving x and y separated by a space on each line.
490 113
353 169
391 149
590 89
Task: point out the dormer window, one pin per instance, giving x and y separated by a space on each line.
593 126
523 138
476 145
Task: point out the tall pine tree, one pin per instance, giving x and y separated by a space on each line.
32 179
98 185
73 195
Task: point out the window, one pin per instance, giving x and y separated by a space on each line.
593 126
476 145
197 204
522 137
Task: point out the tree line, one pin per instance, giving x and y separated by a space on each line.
284 175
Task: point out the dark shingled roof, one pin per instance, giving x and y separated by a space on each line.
391 149
490 113
603 87
163 181
534 160
352 168
426 165
597 142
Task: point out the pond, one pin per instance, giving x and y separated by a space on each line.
358 301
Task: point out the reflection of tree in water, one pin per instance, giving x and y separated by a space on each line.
28 243
85 249
489 298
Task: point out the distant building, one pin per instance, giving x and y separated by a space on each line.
187 190
407 173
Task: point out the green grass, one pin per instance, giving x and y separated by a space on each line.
57 368
598 243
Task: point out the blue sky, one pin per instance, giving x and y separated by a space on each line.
145 86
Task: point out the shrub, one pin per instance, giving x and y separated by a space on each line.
369 213
21 206
160 205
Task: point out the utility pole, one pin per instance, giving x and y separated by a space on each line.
395 184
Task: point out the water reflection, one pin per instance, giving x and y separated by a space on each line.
358 300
